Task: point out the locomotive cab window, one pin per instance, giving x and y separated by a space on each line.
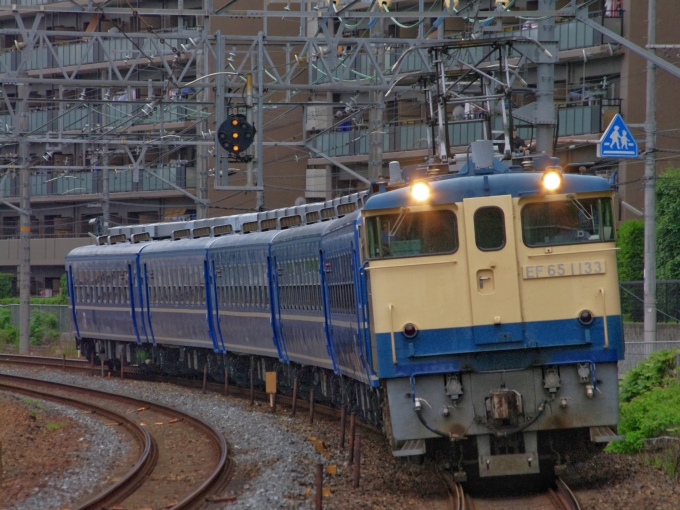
574 221
408 234
489 228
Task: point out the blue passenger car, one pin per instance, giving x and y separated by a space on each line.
240 268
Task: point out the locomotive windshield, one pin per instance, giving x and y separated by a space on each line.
408 234
573 221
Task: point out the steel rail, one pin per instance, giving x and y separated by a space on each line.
135 477
219 475
134 372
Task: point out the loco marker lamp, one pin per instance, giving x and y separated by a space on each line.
420 191
552 179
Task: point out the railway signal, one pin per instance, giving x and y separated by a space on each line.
236 134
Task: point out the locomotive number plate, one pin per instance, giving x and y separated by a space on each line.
563 269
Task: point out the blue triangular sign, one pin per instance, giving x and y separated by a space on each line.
617 141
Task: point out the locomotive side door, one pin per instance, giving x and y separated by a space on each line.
494 286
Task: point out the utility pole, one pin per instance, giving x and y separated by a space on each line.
650 185
545 85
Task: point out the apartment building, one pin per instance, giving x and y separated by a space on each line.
103 107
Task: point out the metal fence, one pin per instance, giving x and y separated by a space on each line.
667 301
61 312
637 352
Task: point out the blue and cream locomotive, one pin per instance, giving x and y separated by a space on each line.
477 308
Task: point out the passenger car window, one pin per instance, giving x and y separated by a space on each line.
489 228
407 234
573 221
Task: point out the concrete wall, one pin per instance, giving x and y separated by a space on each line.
44 252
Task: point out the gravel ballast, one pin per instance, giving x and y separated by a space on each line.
53 454
276 458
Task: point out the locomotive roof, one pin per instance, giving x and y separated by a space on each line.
454 189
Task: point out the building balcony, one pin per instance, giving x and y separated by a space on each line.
580 118
85 183
82 118
50 58
570 35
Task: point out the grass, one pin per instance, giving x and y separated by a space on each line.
55 426
35 403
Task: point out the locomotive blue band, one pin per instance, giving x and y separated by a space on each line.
477 310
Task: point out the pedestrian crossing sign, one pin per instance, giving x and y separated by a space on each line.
617 141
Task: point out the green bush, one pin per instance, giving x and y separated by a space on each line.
6 285
630 258
44 327
649 374
8 333
5 318
650 402
57 300
651 414
667 225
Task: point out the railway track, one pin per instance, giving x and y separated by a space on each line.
176 468
133 372
557 497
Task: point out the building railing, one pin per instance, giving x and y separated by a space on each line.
35 235
81 118
53 183
79 52
570 34
580 118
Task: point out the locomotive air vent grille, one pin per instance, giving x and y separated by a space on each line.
201 232
181 234
102 240
346 209
312 217
268 224
222 229
291 221
141 237
250 226
120 238
327 214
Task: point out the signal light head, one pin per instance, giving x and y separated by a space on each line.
235 135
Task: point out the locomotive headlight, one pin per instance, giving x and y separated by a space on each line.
551 180
420 191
